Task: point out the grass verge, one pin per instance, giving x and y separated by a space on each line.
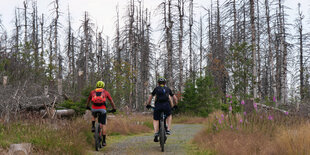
67 136
254 134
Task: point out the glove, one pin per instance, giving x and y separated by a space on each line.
175 107
88 108
112 111
148 106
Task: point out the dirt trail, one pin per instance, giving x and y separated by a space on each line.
182 133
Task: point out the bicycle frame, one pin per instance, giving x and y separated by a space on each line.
162 130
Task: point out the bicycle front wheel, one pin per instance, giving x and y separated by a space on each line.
97 136
162 135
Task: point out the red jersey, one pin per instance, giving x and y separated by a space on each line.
107 94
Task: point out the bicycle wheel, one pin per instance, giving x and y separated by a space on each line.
97 136
162 133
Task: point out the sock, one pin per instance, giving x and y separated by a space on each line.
103 138
93 123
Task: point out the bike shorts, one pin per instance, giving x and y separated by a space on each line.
103 117
159 107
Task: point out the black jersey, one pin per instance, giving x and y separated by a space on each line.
162 94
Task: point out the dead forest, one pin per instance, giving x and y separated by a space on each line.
249 47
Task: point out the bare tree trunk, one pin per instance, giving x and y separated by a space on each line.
253 30
181 16
190 40
100 53
170 45
17 29
35 40
270 55
26 45
235 39
57 53
86 35
301 65
200 47
73 62
42 40
284 76
50 66
259 82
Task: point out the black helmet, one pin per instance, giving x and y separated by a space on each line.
161 80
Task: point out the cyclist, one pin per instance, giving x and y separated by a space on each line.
162 103
98 99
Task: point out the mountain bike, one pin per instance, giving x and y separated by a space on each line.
162 130
98 131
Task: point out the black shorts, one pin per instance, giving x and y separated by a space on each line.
103 117
159 107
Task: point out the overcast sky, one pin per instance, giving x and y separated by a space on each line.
103 12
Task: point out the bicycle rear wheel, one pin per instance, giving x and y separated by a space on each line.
97 137
162 133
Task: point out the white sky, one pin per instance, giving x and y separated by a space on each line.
103 12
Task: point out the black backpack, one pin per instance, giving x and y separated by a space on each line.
162 94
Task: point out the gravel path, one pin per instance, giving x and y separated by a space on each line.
181 134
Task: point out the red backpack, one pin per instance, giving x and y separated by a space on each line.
98 97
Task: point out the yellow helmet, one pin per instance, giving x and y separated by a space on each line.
100 84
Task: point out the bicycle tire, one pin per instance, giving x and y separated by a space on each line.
162 133
97 136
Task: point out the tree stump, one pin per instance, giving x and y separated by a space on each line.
20 149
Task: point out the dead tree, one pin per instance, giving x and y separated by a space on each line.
299 25
190 24
180 37
253 30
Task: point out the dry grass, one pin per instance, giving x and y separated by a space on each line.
232 142
255 135
127 125
65 136
48 136
295 140
186 119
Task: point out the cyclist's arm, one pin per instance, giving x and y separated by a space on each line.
88 100
110 99
112 103
149 99
175 99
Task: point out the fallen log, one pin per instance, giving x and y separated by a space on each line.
250 106
58 113
65 112
271 108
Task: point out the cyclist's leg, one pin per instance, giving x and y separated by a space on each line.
103 120
156 118
156 125
93 120
167 111
168 121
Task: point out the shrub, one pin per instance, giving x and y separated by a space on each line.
80 106
200 98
